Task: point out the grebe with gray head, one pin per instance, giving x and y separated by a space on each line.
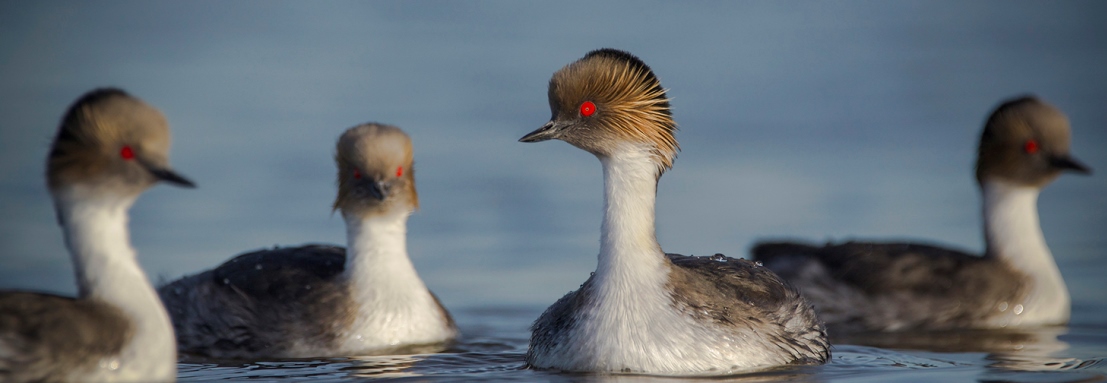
319 300
862 286
645 311
109 149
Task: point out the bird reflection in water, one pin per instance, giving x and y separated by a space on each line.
385 366
375 366
1016 350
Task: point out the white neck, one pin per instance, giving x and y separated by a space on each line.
628 245
95 226
395 307
377 252
628 299
1013 235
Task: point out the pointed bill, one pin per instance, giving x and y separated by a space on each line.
546 132
1067 162
168 175
380 189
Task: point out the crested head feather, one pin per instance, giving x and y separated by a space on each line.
631 104
1012 126
92 133
369 156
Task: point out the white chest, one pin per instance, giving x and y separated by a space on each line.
390 318
393 306
637 328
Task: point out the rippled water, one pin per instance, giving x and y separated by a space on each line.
495 340
814 120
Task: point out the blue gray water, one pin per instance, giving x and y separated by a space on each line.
811 120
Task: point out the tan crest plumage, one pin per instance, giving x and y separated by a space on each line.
1015 124
630 101
96 129
374 152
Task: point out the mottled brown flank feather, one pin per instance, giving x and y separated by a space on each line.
636 104
739 293
261 296
33 327
918 286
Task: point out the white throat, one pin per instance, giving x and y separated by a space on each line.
1013 235
95 227
628 242
394 306
377 250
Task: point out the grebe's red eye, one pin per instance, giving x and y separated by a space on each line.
587 108
357 174
127 153
399 171
1030 147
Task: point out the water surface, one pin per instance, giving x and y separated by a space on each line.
495 341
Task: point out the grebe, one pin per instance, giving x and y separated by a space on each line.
860 286
109 149
645 311
318 300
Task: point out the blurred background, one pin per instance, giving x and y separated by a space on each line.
806 120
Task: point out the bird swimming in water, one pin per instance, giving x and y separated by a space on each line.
318 300
865 286
645 311
110 148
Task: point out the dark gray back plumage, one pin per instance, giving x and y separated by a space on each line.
912 285
35 326
259 303
264 303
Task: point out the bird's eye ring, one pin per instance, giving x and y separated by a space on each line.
127 153
587 108
1030 147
